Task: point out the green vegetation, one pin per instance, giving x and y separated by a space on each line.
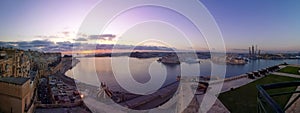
290 70
244 99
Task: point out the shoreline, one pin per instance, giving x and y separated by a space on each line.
91 90
67 64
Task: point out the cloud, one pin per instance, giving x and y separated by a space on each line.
49 46
41 42
82 35
64 43
108 37
31 44
80 39
238 50
66 33
111 46
47 37
7 44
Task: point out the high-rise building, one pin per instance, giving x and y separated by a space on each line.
253 50
250 52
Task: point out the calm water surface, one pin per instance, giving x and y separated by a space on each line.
93 70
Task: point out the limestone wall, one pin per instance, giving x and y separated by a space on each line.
14 97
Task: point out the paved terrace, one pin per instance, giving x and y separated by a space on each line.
286 74
295 108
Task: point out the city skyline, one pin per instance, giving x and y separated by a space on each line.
272 25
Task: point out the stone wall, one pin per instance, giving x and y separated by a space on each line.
14 97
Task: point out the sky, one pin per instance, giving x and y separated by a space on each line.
272 25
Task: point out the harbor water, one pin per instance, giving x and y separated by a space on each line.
99 69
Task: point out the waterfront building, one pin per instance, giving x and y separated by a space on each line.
17 95
5 65
14 63
20 72
235 61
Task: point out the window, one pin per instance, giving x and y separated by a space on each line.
6 67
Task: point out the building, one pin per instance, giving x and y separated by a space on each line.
5 66
254 52
14 63
20 72
16 95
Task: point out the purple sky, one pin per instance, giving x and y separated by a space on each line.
272 25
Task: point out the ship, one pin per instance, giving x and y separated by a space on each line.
190 60
236 61
169 59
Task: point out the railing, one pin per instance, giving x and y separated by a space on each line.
265 102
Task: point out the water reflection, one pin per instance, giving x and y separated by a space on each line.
139 69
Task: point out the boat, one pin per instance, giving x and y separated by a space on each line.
190 60
236 61
169 59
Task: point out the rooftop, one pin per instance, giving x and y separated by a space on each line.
14 80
